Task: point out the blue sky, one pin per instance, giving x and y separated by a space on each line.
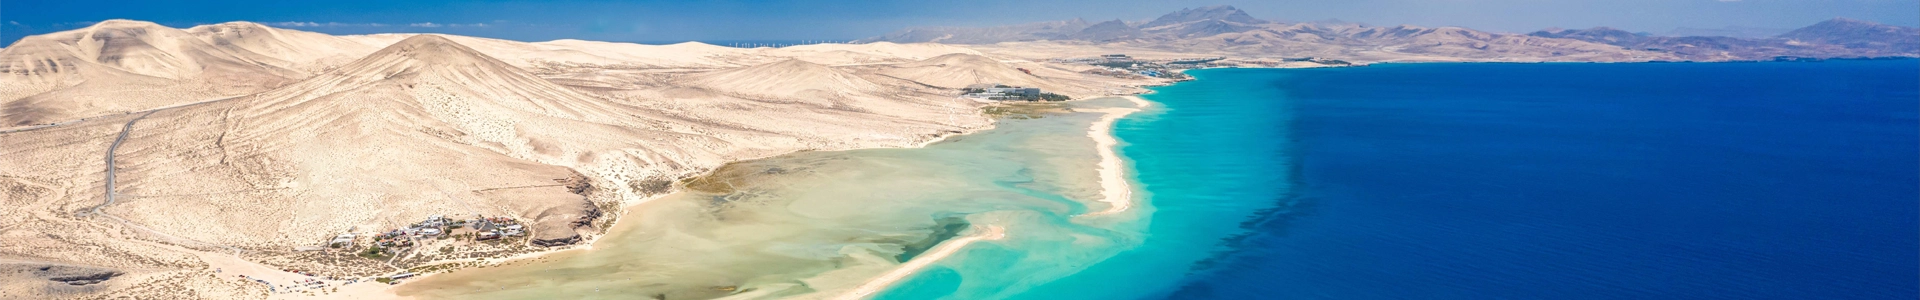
666 21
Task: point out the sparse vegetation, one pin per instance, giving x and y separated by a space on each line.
1026 110
374 252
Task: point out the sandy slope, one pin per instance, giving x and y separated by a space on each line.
119 66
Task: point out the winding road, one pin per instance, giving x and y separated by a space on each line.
124 130
112 170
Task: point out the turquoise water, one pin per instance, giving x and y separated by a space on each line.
1460 181
818 223
1207 159
1521 181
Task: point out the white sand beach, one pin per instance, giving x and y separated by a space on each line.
988 232
1114 188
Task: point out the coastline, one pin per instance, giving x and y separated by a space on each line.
1115 190
987 232
366 290
357 291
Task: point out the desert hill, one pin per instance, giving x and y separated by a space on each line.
136 47
960 70
290 49
784 79
118 66
444 117
122 66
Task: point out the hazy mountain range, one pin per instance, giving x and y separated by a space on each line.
1227 30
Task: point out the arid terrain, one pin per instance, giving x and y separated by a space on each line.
154 157
139 160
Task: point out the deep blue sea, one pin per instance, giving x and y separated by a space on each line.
1527 181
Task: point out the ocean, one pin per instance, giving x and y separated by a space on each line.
1392 181
1542 181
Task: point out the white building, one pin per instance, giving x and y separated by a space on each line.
343 239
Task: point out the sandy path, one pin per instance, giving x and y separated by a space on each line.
1114 188
988 232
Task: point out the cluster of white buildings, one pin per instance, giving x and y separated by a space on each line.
990 91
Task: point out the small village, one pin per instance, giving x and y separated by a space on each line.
435 244
1125 66
1001 92
399 241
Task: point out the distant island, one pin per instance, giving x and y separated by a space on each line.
1228 31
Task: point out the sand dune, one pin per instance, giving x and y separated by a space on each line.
881 49
960 70
787 78
290 49
119 66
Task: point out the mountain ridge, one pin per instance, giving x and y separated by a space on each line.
1228 30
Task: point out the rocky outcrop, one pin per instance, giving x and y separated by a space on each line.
561 240
38 280
87 278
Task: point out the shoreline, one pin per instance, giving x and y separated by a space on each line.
1115 190
987 232
387 291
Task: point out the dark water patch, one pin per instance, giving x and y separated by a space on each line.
943 229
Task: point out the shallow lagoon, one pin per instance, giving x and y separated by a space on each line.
818 223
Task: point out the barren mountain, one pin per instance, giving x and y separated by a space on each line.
1219 13
1860 35
1224 30
1834 38
119 66
1730 31
1108 31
